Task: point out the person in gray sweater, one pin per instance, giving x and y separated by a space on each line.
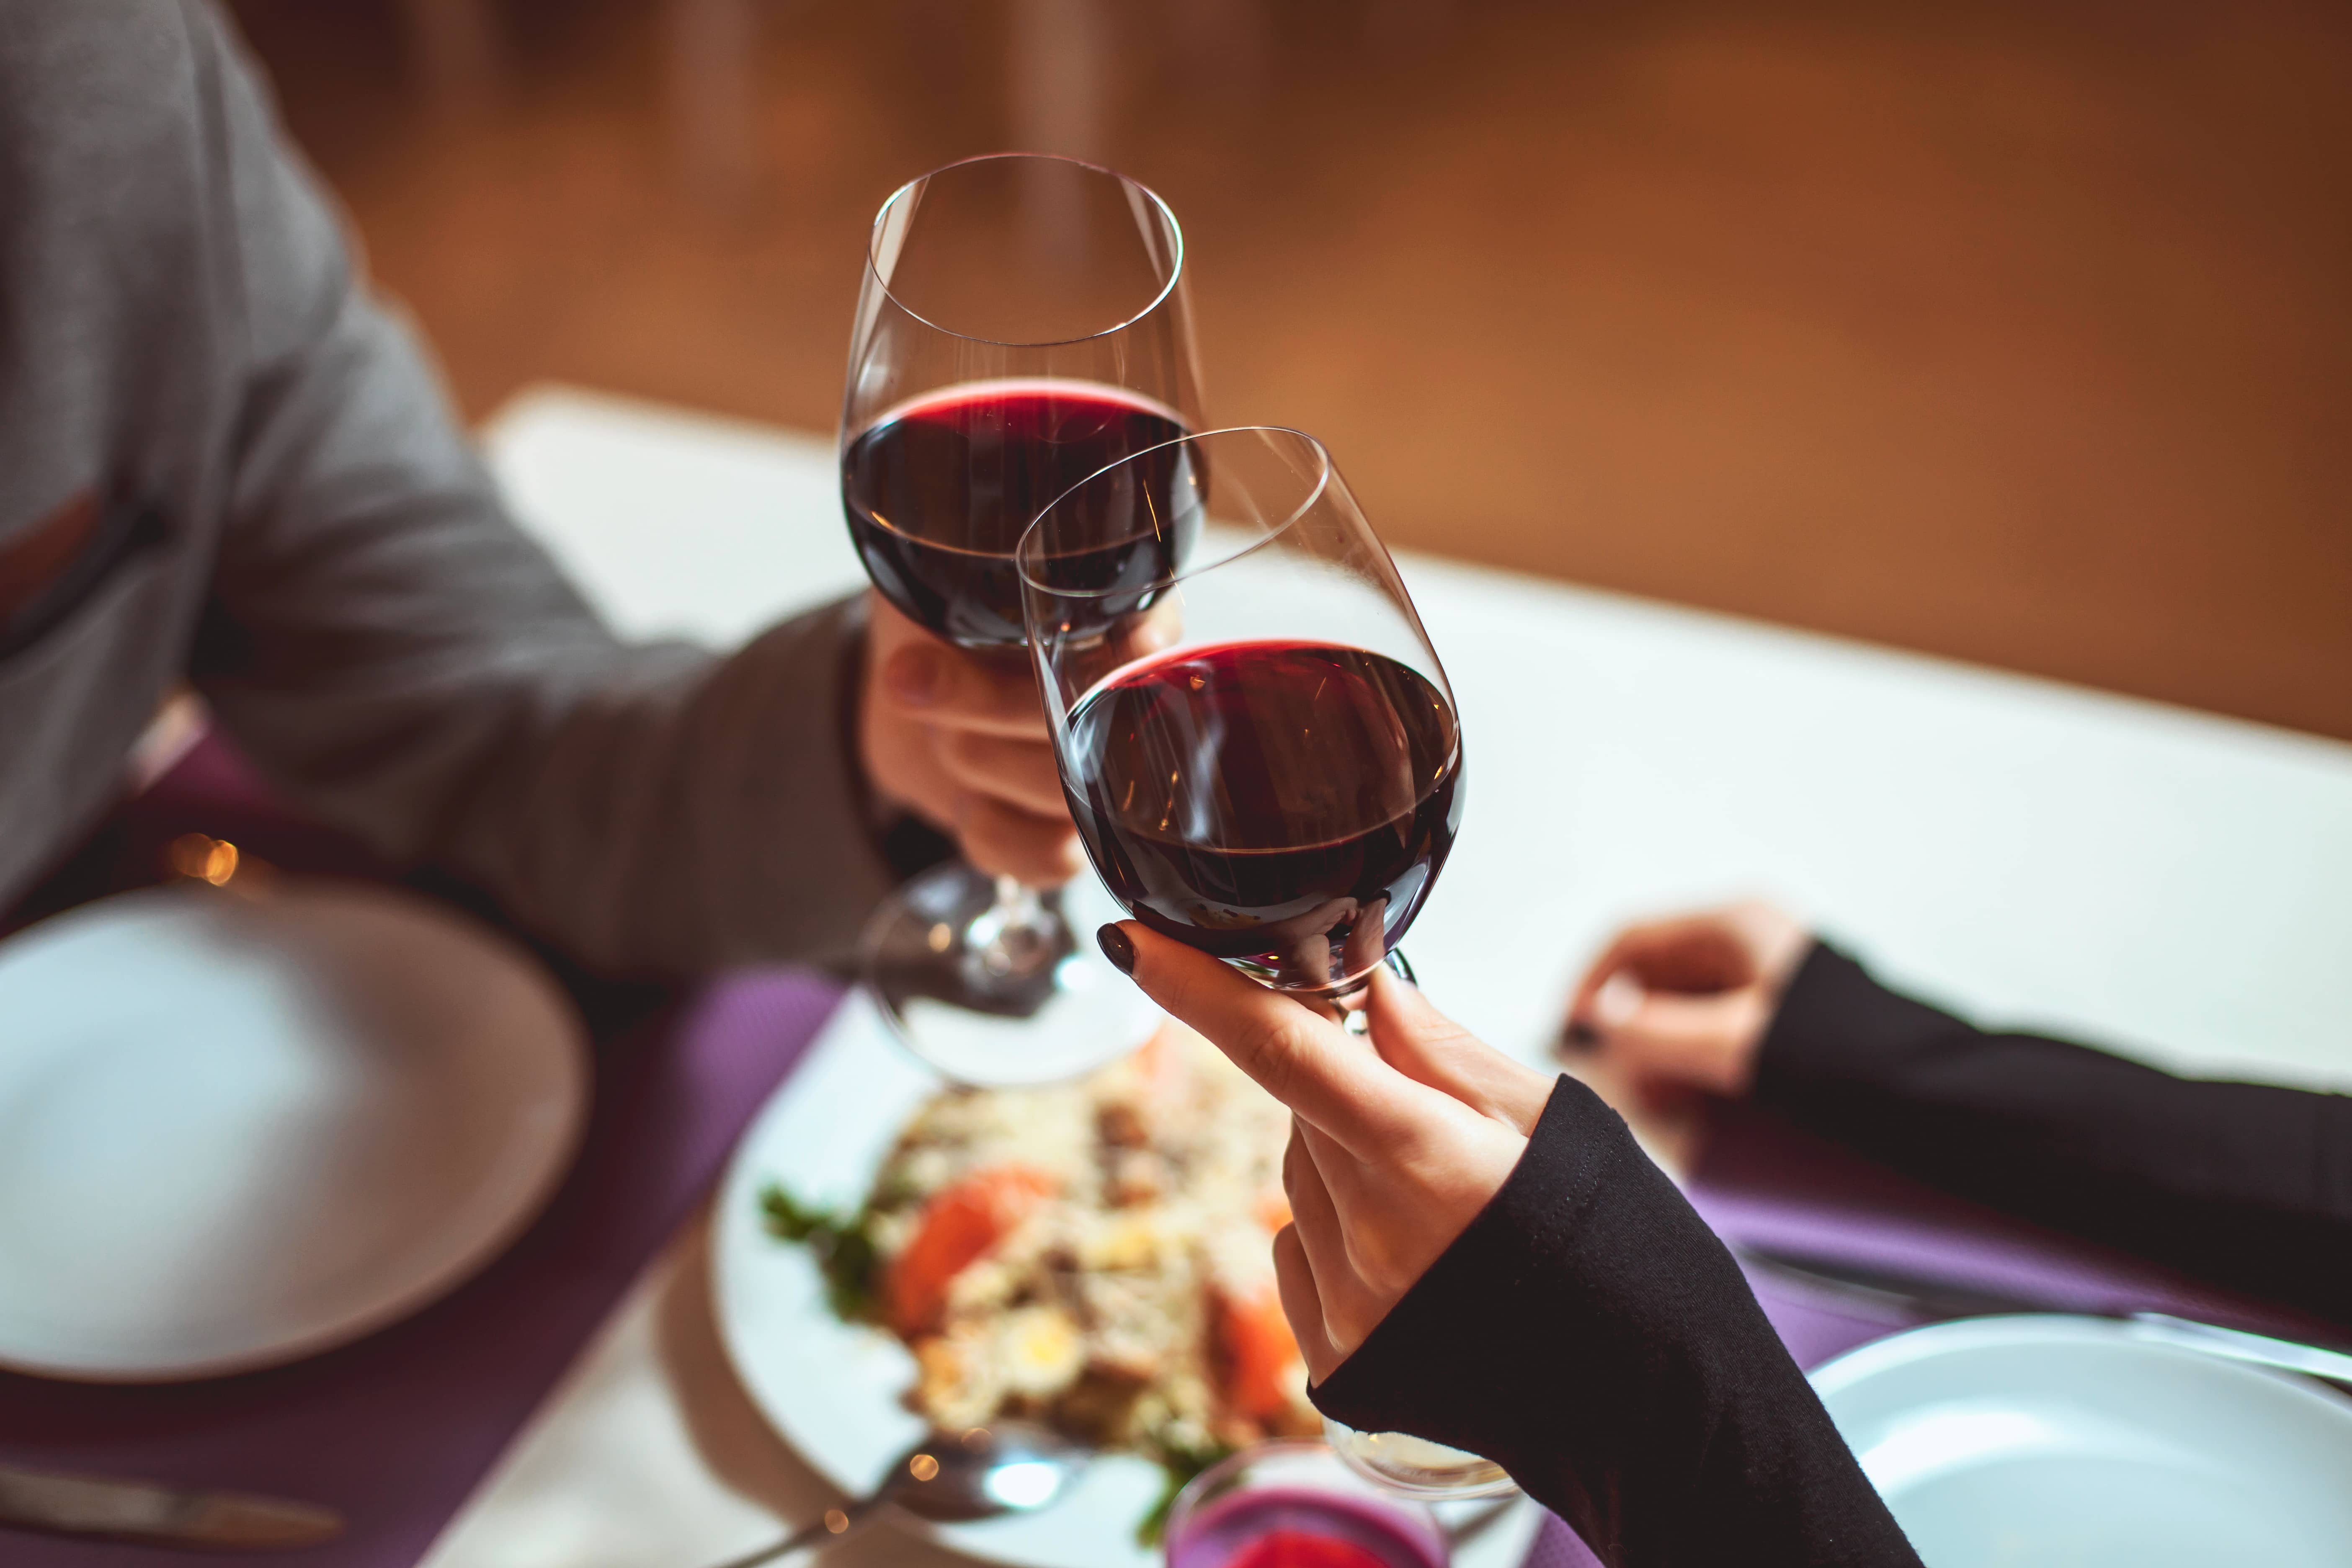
225 464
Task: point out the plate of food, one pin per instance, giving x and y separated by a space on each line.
893 1255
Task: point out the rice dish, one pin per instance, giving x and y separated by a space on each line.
1093 1255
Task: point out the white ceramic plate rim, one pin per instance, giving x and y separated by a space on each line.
526 1199
1964 1335
2293 1402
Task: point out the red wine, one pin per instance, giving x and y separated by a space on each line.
939 490
1282 1527
1283 803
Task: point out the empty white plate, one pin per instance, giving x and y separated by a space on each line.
238 1128
2033 1441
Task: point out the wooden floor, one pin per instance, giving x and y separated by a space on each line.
2020 333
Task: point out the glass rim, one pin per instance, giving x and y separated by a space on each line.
1325 472
1167 216
1190 1497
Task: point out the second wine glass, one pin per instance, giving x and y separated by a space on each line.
1023 323
1258 742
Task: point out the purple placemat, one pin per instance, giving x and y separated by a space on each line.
396 1430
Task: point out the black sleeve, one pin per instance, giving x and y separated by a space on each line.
2243 1184
1588 1334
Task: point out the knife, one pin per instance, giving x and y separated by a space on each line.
168 1515
1937 1299
1886 1291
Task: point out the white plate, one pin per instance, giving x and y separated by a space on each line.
2046 1440
235 1131
833 1390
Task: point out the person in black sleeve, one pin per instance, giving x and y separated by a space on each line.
2247 1185
1483 1256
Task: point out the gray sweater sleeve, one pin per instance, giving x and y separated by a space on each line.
395 654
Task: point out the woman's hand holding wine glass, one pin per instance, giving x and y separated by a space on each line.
1393 1150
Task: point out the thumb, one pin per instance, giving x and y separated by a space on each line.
1708 1042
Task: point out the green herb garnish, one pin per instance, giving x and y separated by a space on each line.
843 1246
1179 1466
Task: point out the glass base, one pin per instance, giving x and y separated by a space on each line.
999 985
1415 1466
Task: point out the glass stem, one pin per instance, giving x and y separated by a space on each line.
1015 933
1354 1015
1017 903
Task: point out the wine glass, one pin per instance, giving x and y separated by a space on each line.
1291 1501
1258 742
1023 323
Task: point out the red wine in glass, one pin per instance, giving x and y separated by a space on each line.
1276 802
938 492
1287 1527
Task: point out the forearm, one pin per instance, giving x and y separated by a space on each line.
1589 1333
651 810
2246 1185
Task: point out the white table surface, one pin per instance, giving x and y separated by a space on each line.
2172 883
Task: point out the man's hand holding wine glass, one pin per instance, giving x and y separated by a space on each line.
958 739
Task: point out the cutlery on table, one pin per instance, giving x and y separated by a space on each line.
1937 1299
1011 1468
2236 1345
160 1515
1465 1521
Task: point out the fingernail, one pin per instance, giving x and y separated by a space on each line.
1580 1037
914 675
1117 947
1614 1005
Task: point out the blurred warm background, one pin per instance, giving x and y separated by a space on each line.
2019 332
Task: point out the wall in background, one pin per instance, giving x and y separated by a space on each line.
2016 334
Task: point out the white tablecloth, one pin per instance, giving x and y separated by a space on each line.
2176 884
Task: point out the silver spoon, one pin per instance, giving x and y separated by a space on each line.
1011 1468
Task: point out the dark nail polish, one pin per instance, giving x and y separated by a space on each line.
1118 949
1579 1036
